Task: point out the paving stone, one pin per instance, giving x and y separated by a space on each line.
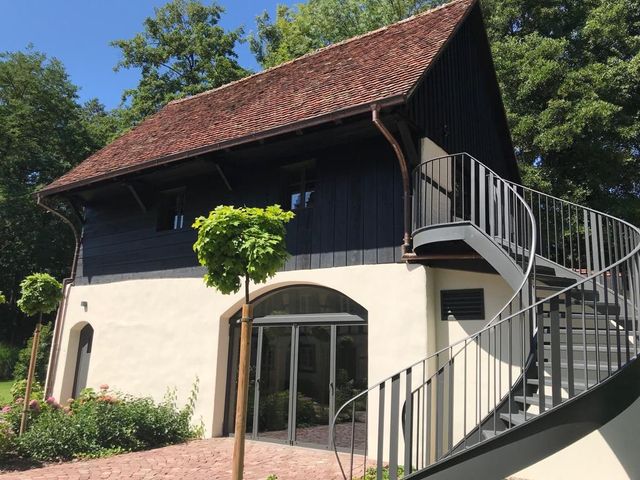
202 459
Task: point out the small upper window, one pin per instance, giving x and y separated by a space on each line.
171 210
301 184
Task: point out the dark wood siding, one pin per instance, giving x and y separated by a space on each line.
458 104
356 218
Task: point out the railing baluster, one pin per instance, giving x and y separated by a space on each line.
569 343
408 423
394 427
556 374
380 453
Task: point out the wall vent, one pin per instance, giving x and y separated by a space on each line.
467 304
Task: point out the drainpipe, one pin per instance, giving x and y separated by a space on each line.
404 170
60 315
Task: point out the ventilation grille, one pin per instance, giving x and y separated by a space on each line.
465 304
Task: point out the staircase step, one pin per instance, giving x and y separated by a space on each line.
576 293
564 384
487 434
516 418
534 400
544 270
579 347
555 280
579 365
602 308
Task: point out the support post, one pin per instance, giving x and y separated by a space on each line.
30 375
243 387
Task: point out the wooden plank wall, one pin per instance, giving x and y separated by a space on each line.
357 217
458 104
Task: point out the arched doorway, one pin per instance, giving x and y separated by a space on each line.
85 339
308 357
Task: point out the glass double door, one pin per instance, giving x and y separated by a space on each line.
300 375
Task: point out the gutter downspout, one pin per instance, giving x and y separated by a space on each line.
404 170
60 315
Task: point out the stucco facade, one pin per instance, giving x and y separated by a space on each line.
154 334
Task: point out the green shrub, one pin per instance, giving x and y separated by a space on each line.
371 473
7 438
19 387
22 365
103 423
8 359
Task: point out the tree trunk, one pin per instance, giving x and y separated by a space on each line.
243 386
30 375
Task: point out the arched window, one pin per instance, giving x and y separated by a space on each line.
82 360
305 300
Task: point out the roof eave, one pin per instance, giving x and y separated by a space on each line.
291 127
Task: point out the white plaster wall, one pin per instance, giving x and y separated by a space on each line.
497 294
154 334
611 452
492 376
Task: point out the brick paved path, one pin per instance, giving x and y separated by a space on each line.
199 460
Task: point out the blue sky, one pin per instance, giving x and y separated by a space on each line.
78 33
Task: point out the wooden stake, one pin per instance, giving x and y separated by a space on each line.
243 392
30 375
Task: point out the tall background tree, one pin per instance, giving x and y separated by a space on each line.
43 133
569 72
307 26
181 51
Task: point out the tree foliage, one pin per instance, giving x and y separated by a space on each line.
39 293
181 51
43 133
570 76
234 243
307 26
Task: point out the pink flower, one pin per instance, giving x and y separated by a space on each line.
19 400
51 401
34 405
104 386
6 409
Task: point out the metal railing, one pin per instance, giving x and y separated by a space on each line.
582 330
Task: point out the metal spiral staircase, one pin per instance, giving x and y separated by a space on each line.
567 332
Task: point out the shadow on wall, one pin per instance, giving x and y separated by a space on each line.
621 434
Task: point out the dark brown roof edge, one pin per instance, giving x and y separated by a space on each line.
309 122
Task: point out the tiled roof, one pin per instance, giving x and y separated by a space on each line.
382 66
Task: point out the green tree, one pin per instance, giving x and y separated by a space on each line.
42 135
236 244
40 294
181 51
307 26
570 77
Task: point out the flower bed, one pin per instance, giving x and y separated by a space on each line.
97 423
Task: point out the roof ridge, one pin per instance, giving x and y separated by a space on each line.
321 49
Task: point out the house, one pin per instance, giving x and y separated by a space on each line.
434 314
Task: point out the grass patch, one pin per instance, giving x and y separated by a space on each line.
5 393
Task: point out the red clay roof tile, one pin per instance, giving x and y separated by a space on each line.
384 65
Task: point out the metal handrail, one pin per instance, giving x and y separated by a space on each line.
613 270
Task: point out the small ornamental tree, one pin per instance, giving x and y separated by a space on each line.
236 244
40 294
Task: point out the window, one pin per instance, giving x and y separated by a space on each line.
301 184
465 304
171 210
